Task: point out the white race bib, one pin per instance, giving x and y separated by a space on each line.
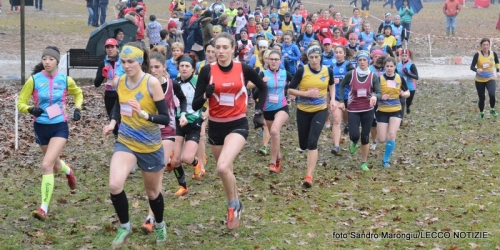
273 98
391 84
361 92
53 111
486 65
125 109
227 99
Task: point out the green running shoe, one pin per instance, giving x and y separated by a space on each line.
161 235
493 113
482 115
121 238
352 148
364 167
263 150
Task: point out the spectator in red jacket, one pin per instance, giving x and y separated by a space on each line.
451 8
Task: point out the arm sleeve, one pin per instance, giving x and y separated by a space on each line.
376 87
332 79
251 75
380 27
299 39
115 112
201 86
414 72
404 86
296 78
343 83
474 62
294 26
25 96
75 91
162 117
180 95
497 64
98 75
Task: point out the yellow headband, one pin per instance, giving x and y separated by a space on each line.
133 53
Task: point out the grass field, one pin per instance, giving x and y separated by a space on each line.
444 177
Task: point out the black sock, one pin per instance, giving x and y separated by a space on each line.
195 162
181 177
157 206
120 203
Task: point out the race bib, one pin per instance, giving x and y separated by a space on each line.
325 30
227 99
398 36
125 109
391 84
356 30
273 98
53 111
486 65
361 92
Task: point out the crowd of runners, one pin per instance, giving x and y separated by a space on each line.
166 102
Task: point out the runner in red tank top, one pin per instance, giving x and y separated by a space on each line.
223 84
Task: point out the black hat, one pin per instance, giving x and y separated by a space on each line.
288 14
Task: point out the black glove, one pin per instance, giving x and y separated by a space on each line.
209 91
258 122
77 115
199 122
36 112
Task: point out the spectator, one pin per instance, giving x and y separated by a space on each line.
217 8
119 35
95 9
406 12
180 6
38 5
164 42
451 8
91 12
153 31
206 27
103 5
387 21
132 7
175 35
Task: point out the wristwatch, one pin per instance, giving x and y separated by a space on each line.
144 114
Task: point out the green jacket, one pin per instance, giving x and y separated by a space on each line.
406 15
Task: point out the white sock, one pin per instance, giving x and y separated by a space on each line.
125 226
45 208
160 225
150 218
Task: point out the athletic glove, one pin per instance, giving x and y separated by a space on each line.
408 73
209 91
198 122
257 119
36 112
76 115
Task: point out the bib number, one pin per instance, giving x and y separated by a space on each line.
391 84
361 92
273 98
125 109
486 65
53 111
227 99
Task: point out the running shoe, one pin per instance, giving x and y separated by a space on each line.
182 191
373 146
273 168
408 110
336 150
121 238
170 167
327 123
482 115
278 165
493 113
263 150
147 226
71 178
364 167
39 214
161 235
385 164
307 181
352 148
198 174
233 217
